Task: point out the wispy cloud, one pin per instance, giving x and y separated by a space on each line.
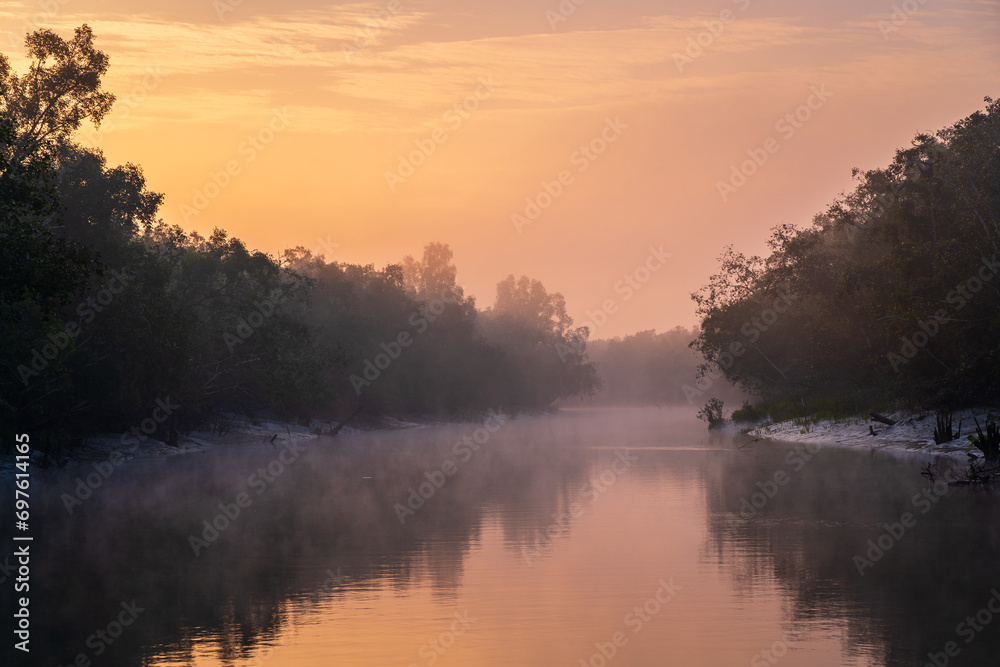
225 70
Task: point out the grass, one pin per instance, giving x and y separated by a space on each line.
807 413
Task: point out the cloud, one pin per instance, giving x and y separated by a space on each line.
348 67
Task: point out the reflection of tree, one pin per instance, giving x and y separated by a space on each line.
805 537
130 540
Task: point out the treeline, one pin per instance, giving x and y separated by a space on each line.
650 368
112 320
892 294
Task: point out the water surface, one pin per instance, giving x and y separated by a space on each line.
593 537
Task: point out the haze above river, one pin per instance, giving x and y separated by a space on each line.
588 538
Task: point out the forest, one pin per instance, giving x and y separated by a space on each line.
115 321
386 333
890 297
651 369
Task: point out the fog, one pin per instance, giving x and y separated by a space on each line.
327 527
435 290
331 508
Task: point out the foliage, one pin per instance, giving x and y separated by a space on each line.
432 275
648 368
749 414
107 314
544 355
893 292
712 413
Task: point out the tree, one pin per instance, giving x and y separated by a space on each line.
38 114
103 207
545 356
893 292
526 300
650 368
433 275
47 105
40 271
712 413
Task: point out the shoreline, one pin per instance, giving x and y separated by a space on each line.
111 448
912 434
240 431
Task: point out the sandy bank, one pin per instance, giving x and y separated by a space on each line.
913 433
118 448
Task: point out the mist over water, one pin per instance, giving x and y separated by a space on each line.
379 333
614 536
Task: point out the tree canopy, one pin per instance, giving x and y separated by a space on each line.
108 313
893 293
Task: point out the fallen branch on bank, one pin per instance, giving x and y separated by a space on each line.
346 421
876 417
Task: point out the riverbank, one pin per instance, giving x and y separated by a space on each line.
118 448
913 432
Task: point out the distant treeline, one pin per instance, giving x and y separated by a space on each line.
892 294
649 368
112 320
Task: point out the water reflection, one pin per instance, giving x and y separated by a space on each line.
543 548
822 538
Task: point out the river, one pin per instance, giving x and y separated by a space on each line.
625 537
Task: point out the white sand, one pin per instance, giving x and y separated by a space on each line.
913 432
240 431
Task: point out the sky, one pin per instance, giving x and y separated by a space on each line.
609 149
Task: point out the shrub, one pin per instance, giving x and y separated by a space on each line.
749 413
988 442
712 413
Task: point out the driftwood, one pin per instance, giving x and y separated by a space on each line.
346 421
979 474
876 417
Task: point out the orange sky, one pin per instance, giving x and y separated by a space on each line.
310 105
